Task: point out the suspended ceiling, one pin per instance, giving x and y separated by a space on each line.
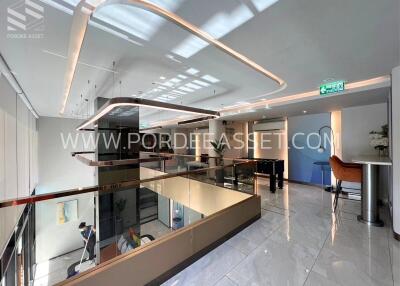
130 52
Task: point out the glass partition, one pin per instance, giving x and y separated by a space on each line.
82 228
235 174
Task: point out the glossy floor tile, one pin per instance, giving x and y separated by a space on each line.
299 241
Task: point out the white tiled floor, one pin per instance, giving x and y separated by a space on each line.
55 270
298 241
155 228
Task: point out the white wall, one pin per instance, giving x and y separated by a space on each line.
18 145
396 149
60 171
54 239
357 122
18 156
230 129
272 145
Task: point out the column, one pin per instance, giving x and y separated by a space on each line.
216 129
395 149
119 210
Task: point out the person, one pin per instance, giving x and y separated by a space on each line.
88 233
134 237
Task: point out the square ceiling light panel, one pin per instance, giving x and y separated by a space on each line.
132 20
217 26
261 5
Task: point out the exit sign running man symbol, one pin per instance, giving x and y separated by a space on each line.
333 87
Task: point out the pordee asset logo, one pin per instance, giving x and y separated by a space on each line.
25 20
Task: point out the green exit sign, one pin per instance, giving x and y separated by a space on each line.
332 87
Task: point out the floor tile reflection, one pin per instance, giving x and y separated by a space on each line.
298 241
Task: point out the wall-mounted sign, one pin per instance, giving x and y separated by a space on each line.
332 87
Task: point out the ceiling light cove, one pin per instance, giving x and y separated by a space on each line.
80 22
313 94
114 104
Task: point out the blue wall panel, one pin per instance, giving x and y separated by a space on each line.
302 132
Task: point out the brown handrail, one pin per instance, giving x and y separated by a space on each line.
109 187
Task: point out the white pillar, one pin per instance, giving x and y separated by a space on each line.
245 130
395 148
215 128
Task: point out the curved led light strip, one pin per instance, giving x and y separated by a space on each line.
129 101
353 87
81 19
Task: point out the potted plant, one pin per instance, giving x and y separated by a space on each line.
379 140
219 148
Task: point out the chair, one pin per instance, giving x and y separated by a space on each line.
347 172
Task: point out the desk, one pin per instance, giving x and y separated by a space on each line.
272 167
370 188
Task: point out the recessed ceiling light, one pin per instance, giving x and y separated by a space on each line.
199 82
178 92
192 71
175 80
169 84
194 86
210 78
172 58
186 89
182 76
261 5
217 26
163 77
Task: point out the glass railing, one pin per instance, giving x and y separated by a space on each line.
236 174
64 233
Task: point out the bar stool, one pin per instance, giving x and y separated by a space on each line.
348 172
